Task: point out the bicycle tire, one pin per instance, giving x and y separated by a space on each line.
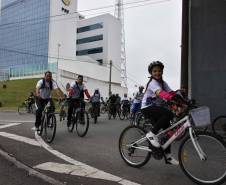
50 125
82 123
130 151
41 126
213 146
22 109
219 126
70 128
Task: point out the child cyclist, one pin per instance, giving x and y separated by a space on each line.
153 106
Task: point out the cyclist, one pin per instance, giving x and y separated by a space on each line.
76 95
112 103
30 100
95 100
118 103
136 105
44 88
153 105
125 103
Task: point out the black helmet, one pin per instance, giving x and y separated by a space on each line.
153 64
141 87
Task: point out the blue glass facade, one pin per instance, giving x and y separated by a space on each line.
24 34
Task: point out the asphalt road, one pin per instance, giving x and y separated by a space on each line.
98 149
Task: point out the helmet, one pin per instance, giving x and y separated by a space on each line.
141 87
153 64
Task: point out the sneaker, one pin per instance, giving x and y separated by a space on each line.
153 139
171 160
37 129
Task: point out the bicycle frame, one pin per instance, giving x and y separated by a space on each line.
186 123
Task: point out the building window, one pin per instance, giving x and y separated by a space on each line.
90 27
89 51
90 39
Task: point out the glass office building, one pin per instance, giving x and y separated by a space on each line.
24 35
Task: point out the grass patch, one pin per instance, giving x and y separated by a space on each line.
17 91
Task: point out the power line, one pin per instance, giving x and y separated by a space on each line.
127 76
99 8
41 55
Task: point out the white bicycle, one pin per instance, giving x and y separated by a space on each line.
202 155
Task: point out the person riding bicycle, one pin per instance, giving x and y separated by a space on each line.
125 103
76 97
44 88
95 100
30 100
112 103
154 106
136 105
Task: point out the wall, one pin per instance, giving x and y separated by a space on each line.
207 61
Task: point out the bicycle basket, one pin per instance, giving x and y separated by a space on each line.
201 116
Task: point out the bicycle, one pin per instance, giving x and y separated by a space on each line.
80 118
219 126
125 111
194 153
48 123
112 111
25 108
63 106
94 112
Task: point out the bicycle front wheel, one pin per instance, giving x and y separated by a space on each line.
22 109
211 170
132 151
50 128
219 126
82 124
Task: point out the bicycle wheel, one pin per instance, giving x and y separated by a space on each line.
212 170
50 128
42 125
219 126
82 124
122 115
128 146
70 128
22 109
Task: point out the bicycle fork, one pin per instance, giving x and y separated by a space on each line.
198 148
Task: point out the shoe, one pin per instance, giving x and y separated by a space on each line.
153 139
171 160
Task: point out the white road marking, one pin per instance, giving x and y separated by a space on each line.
9 125
79 171
20 138
21 121
79 168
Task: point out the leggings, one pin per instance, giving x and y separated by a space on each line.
161 117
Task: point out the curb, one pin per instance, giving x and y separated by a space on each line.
30 170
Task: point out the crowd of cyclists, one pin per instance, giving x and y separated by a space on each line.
156 102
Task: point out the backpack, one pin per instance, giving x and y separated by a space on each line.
44 84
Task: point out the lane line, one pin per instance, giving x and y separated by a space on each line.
9 125
84 169
20 138
21 121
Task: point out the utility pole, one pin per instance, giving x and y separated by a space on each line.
110 78
184 44
58 54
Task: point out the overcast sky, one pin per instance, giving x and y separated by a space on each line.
152 32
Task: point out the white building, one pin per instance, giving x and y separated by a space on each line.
100 38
